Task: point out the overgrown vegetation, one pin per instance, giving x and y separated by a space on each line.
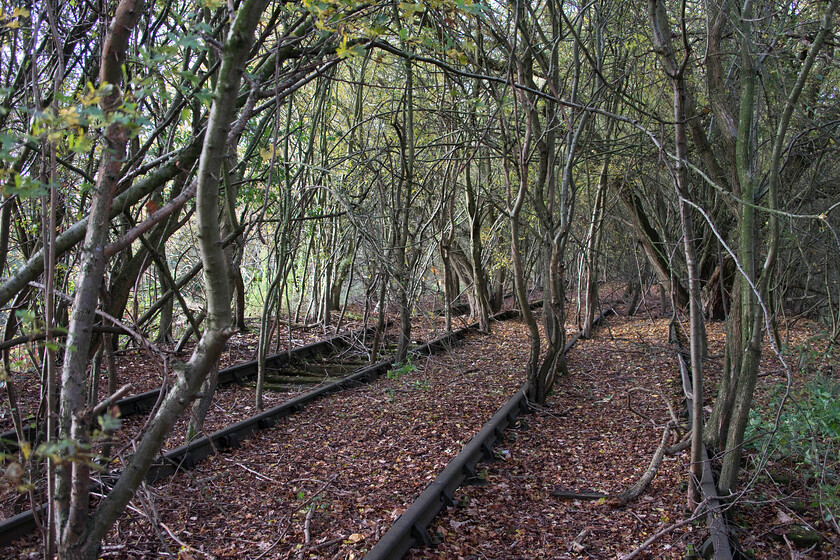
804 441
168 168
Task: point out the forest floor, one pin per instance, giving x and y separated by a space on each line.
329 481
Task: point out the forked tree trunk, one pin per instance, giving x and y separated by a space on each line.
80 534
755 313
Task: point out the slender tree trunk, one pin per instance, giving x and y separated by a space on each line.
403 277
756 309
271 308
593 243
447 238
515 203
72 479
165 318
676 72
479 277
80 536
380 320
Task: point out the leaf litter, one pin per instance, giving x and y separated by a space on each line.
329 481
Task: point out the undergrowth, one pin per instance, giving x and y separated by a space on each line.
807 439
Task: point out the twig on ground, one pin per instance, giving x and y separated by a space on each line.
698 511
253 472
289 517
307 537
577 544
182 543
330 542
149 510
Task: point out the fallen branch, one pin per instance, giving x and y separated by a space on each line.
113 398
577 544
289 517
669 529
252 471
571 495
307 537
641 485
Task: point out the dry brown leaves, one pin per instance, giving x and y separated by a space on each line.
328 482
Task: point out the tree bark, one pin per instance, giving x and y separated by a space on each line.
653 245
87 534
73 475
482 300
756 311
676 73
593 242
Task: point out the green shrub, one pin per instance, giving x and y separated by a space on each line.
808 435
401 369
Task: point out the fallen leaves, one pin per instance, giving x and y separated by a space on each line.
384 442
354 538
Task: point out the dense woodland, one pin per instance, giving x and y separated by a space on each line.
171 168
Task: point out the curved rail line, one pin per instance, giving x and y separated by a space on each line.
186 456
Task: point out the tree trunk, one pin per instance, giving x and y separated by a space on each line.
653 245
593 243
72 477
498 299
756 311
165 334
80 536
404 196
676 72
481 298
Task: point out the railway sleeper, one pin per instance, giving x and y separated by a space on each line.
186 457
421 536
228 441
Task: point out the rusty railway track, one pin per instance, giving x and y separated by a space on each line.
188 455
411 529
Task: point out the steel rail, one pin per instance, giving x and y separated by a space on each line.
143 403
411 528
187 456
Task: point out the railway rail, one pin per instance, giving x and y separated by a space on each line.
186 456
412 527
143 403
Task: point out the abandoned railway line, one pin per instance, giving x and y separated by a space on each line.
330 365
330 351
373 470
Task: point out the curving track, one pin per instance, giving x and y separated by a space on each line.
230 437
